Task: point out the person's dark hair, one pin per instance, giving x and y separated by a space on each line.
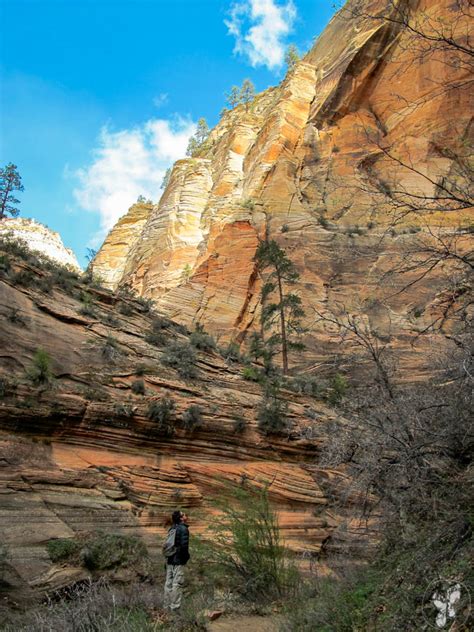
176 517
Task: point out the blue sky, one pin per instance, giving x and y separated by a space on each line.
98 97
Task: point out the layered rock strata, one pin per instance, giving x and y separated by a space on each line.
80 454
306 164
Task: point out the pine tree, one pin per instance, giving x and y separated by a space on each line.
291 57
197 141
233 98
10 180
247 93
286 311
166 178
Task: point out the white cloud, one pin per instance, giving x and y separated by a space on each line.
260 28
129 163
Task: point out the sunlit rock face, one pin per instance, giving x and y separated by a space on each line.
111 259
81 455
39 238
300 166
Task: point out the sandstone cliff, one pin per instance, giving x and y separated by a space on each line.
41 239
79 452
314 162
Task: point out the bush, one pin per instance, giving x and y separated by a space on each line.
162 413
305 384
285 228
182 357
138 387
192 418
202 340
239 425
157 336
251 374
40 370
87 307
111 550
93 606
15 317
323 221
26 278
247 548
125 309
231 353
64 279
271 416
5 265
123 410
143 369
337 390
62 549
146 304
110 348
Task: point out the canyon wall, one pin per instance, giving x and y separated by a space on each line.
314 163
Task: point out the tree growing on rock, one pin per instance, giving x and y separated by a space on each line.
285 311
291 57
247 93
10 181
197 141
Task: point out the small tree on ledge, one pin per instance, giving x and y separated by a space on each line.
10 180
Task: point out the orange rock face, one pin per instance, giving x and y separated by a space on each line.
81 454
306 156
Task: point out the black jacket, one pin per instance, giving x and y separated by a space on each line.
181 557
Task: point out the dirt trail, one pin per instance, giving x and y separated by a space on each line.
244 624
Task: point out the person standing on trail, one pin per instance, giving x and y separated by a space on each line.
176 551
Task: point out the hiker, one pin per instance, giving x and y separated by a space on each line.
177 555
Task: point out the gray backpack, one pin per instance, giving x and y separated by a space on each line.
169 544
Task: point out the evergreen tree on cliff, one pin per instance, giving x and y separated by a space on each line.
10 181
286 312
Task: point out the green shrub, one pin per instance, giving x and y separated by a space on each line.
143 369
337 389
182 357
14 316
231 352
26 278
246 546
138 387
87 307
251 374
306 385
111 550
192 418
123 410
157 335
285 228
5 265
64 279
162 413
239 425
44 284
371 225
62 549
323 221
202 340
125 309
146 304
271 416
40 370
109 319
110 348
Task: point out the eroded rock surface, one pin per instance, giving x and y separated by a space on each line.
301 164
80 454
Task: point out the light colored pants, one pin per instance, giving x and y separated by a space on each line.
174 586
